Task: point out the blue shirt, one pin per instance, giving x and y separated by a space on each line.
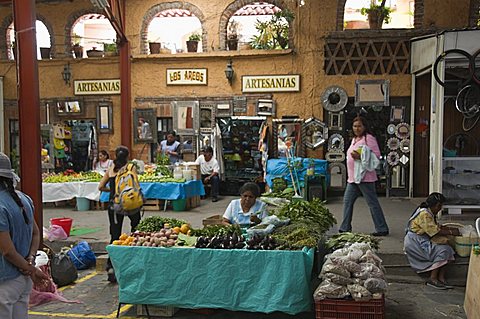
235 214
11 220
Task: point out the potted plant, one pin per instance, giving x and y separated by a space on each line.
377 14
154 47
192 43
274 33
232 35
77 48
110 49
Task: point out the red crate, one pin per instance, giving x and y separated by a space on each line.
350 309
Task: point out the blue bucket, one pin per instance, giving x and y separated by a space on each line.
83 204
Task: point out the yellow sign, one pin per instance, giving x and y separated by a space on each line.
270 83
186 76
91 87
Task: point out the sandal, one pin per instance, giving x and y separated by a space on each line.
446 284
435 284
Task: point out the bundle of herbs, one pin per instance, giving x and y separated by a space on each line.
217 230
343 239
309 222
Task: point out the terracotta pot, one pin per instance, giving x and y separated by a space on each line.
232 44
78 51
94 53
154 47
45 53
375 20
192 46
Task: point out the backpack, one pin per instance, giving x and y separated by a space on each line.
128 198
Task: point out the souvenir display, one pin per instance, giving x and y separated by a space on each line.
338 176
402 130
391 129
393 143
404 159
393 158
405 145
316 133
335 120
335 156
336 142
397 114
334 98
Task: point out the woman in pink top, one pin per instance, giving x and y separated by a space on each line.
366 187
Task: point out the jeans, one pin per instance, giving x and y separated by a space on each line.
215 182
352 192
14 295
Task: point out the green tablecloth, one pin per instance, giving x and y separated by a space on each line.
239 280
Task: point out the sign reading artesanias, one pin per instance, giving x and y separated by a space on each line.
271 83
91 87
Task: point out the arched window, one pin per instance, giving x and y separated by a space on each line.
262 25
172 29
92 32
43 41
401 14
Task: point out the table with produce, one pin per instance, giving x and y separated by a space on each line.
156 181
68 185
264 268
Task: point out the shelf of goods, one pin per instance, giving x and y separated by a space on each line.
461 183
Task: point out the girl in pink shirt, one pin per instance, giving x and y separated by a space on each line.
366 187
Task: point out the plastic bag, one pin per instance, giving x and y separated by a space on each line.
56 232
328 289
375 285
63 269
349 265
335 269
359 292
371 257
260 230
82 256
468 231
368 270
337 279
274 220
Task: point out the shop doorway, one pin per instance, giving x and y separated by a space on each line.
422 138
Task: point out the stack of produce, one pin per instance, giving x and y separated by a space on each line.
166 237
344 239
309 222
156 223
352 272
71 176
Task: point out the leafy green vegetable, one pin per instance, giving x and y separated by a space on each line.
155 223
217 230
340 240
297 235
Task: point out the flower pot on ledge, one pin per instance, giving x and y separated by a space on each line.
192 46
375 20
154 47
45 53
232 44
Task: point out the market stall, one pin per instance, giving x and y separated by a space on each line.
168 191
54 192
232 279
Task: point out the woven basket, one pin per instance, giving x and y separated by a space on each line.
463 245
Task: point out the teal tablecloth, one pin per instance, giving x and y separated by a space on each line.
238 280
169 191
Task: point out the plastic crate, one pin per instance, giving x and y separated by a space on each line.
350 309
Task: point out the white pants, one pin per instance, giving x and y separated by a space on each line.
14 295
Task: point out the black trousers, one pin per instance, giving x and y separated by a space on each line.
116 227
215 182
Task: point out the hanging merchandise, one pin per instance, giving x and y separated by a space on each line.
59 144
393 158
58 131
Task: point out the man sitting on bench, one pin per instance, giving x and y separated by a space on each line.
209 168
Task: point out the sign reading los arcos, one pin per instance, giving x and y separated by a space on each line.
271 83
186 76
92 87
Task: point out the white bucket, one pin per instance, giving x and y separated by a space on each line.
187 174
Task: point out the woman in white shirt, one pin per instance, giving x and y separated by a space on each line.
246 210
103 163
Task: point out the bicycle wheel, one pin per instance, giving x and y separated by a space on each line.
443 55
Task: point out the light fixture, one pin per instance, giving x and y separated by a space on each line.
66 74
229 72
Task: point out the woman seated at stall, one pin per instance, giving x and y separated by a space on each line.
426 242
246 210
103 163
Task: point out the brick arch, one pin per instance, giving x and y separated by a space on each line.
5 51
417 16
236 5
474 15
70 24
153 11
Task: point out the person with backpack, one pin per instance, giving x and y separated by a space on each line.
19 240
125 198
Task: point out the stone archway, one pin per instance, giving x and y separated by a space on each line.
230 11
417 16
153 11
5 50
71 20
